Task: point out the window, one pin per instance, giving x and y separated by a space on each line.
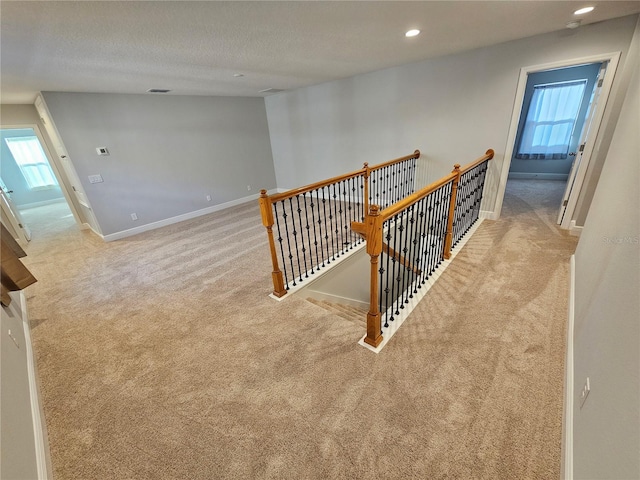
32 161
551 120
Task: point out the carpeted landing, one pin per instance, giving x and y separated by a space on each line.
162 356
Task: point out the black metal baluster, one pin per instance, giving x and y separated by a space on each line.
387 194
308 229
345 217
352 210
280 239
406 285
402 268
326 227
411 231
394 265
295 237
403 174
387 278
314 202
301 233
285 217
432 230
423 240
413 242
336 231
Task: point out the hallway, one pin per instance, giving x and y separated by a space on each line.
161 355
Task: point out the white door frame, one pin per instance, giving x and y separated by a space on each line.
613 59
54 166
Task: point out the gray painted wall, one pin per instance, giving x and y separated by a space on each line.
17 440
451 108
11 175
606 430
623 79
167 153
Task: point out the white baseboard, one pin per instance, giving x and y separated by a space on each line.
27 206
566 472
39 427
179 218
538 176
488 215
574 230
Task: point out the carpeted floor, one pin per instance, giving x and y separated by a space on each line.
161 356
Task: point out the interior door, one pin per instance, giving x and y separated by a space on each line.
584 137
11 215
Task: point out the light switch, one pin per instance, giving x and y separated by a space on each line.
95 178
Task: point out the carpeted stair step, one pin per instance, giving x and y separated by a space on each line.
348 312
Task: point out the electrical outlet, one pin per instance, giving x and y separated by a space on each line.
14 339
249 187
584 393
134 216
208 198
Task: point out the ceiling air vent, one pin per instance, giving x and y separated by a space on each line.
158 90
271 90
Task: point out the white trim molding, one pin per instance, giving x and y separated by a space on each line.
574 230
178 218
566 472
538 176
39 427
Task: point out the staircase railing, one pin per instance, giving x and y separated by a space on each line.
409 239
308 228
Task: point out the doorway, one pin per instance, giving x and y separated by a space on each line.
575 166
32 198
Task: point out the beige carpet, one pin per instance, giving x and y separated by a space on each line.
161 356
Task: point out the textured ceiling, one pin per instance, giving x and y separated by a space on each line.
195 48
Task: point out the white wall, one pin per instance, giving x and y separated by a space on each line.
606 430
451 108
167 153
23 455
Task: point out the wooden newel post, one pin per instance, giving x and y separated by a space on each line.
374 248
267 220
452 211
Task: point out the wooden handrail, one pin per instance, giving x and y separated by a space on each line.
15 276
475 163
411 199
415 154
372 229
314 186
362 172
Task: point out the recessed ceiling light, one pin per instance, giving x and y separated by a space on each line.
412 33
583 10
238 75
